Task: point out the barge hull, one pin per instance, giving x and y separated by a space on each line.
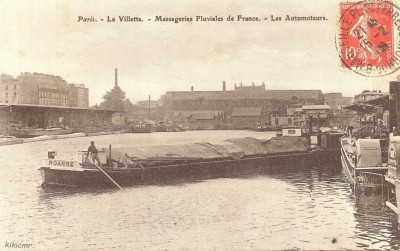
89 177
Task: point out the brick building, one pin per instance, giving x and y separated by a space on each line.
246 117
10 89
336 100
244 106
42 89
272 101
367 95
78 95
204 120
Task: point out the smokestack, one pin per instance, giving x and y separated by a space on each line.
192 88
223 86
116 77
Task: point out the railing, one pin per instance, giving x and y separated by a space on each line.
372 179
84 158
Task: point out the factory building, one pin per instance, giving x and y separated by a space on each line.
235 103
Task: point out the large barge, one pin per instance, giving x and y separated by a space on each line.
130 166
364 161
36 132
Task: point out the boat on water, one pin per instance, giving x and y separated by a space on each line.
133 166
264 127
36 132
364 160
9 140
168 126
143 127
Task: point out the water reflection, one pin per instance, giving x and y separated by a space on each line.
265 208
376 227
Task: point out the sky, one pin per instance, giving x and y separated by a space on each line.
155 57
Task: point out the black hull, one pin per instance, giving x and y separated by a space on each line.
142 130
185 172
348 168
33 133
268 129
11 142
365 178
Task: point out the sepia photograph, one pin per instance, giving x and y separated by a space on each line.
199 125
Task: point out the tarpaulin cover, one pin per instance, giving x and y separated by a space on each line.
232 148
252 146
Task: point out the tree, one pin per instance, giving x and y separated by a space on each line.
114 100
128 106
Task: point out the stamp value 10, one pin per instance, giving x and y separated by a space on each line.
366 40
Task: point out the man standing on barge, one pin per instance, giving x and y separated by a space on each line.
94 152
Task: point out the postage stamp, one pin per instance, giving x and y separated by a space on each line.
366 41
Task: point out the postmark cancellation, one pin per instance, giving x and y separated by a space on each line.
368 37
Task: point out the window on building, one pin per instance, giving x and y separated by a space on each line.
6 87
15 87
15 94
6 94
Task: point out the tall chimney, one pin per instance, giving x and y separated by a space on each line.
223 86
116 77
192 88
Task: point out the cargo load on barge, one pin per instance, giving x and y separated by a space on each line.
138 165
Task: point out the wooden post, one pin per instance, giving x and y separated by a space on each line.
109 156
394 103
149 108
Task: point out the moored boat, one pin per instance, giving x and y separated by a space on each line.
168 126
363 161
9 140
142 128
264 127
132 166
35 132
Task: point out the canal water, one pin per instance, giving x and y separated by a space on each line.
297 207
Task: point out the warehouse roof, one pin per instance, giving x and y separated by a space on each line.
245 94
3 105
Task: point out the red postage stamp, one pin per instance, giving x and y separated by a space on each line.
366 38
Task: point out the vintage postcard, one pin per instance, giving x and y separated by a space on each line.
199 125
